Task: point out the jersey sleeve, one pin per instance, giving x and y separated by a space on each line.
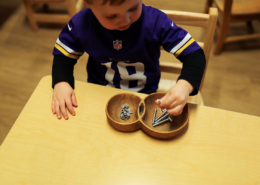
176 40
180 43
67 43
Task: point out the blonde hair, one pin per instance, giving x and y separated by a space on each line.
111 2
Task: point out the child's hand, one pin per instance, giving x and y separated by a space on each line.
63 95
176 98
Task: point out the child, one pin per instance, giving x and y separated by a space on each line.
123 39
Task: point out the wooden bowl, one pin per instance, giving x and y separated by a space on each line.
113 111
143 111
165 130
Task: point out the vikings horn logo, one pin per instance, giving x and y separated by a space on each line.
117 44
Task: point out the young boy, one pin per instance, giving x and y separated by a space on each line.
123 39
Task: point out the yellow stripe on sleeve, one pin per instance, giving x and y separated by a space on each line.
184 47
65 52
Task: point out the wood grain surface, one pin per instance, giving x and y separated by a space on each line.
232 81
219 146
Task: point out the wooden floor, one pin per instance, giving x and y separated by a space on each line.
232 81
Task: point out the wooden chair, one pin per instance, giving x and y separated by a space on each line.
232 11
207 21
73 6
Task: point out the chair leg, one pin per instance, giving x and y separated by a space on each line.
224 24
208 5
250 28
30 12
221 38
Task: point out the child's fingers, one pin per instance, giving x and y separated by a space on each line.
179 100
173 105
53 107
166 101
63 109
176 110
69 106
157 102
74 100
57 109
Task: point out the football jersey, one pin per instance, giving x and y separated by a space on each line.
131 60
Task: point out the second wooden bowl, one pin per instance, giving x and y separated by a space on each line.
165 130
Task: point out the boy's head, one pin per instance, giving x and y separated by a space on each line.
116 14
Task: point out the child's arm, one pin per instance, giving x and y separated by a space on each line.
188 83
180 43
63 85
67 51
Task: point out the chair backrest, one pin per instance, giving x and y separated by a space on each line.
207 21
73 6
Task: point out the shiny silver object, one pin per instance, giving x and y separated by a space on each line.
163 121
155 111
163 113
125 112
164 116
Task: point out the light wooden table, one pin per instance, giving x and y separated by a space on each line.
219 147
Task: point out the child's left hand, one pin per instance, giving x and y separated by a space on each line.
176 98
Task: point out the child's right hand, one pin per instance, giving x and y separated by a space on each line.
63 95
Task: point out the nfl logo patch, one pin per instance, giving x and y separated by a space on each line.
117 44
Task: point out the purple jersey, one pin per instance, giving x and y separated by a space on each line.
131 60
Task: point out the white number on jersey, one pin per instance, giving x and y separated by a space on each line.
124 83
